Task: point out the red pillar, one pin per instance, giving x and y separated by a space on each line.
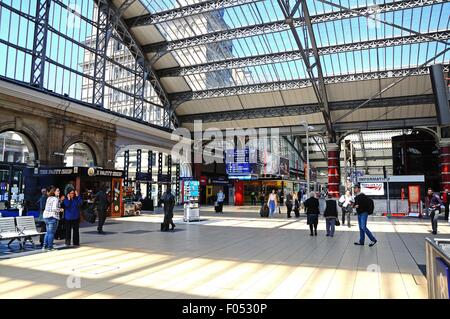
444 160
238 193
333 170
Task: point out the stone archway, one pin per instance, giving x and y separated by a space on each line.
98 157
32 137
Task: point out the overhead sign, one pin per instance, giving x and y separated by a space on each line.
240 168
144 177
372 189
373 178
392 179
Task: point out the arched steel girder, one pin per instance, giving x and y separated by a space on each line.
110 19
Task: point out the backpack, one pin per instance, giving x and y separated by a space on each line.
370 206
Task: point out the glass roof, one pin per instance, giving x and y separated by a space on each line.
332 34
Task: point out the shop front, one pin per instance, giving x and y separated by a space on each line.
248 192
86 180
212 186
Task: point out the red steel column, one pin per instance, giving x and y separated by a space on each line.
444 159
333 169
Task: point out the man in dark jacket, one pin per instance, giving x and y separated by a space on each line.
169 202
362 208
330 214
289 203
72 205
101 199
312 213
434 207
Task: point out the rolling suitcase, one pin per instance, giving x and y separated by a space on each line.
264 212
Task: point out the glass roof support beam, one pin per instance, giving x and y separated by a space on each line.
107 21
181 97
318 84
184 11
319 146
369 15
295 55
246 31
104 32
40 43
407 73
136 50
292 144
293 110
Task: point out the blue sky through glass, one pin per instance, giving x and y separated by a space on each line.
66 50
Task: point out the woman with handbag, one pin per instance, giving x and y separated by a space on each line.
331 215
51 217
312 213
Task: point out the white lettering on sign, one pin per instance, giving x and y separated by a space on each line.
109 173
366 179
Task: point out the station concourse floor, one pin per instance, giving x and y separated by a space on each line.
234 255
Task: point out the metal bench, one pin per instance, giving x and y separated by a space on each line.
8 231
26 226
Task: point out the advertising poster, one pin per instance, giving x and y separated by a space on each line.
413 193
284 166
271 164
372 189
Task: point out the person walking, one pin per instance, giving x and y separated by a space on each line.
51 217
280 201
345 202
72 205
362 204
220 200
262 198
434 207
289 204
272 202
253 198
168 201
312 213
102 201
40 221
296 203
330 214
427 202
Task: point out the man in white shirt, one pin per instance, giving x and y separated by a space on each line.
345 203
220 200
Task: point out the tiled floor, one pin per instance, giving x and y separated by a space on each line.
234 255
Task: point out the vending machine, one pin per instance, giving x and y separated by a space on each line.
191 193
